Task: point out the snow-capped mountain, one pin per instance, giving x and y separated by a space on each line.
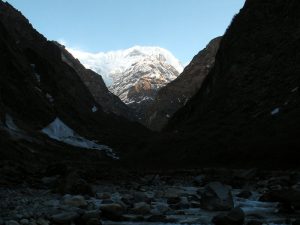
134 74
108 64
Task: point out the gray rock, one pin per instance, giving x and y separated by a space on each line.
172 193
296 222
160 208
235 217
32 222
75 201
65 217
107 201
199 180
94 221
184 203
140 197
112 211
24 221
92 214
12 222
133 218
128 199
244 194
42 221
157 218
195 204
255 222
103 196
141 208
217 197
173 200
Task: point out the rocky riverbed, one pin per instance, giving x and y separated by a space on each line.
211 197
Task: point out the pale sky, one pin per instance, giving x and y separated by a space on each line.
182 26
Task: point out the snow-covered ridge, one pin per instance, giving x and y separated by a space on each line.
109 64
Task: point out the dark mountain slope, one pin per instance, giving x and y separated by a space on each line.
248 110
175 94
36 87
97 87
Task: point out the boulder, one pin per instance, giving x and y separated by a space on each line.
103 196
296 222
128 199
23 222
235 217
288 197
172 193
12 222
140 197
173 200
217 197
42 221
254 222
91 214
160 208
199 180
112 211
244 194
65 217
141 208
133 218
93 221
75 201
156 218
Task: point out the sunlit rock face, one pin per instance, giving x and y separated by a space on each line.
135 74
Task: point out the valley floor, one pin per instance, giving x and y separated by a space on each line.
183 197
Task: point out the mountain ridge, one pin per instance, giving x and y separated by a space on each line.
176 93
135 74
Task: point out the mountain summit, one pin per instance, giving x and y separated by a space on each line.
134 74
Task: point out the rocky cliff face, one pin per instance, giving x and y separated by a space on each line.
135 74
137 86
248 108
247 111
176 94
94 82
45 107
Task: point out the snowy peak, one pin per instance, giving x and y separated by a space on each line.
112 63
135 74
145 76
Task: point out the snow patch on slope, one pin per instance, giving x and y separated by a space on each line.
110 64
59 131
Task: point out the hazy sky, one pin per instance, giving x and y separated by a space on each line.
182 26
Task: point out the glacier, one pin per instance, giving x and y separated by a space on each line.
59 131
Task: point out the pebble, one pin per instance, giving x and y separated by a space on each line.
150 205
